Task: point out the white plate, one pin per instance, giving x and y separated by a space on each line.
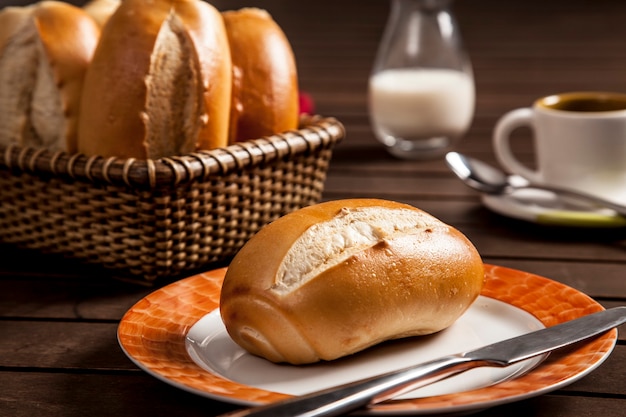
176 335
487 321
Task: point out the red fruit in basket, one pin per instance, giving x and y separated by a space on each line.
307 106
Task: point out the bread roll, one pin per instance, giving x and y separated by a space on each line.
160 82
265 85
332 279
45 50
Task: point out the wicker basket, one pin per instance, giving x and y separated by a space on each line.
160 218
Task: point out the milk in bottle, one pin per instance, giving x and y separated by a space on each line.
420 106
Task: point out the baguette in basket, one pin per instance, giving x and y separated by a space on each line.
45 50
161 80
334 278
159 83
265 93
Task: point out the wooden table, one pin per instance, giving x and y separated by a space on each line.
58 319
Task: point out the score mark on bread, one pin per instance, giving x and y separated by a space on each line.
327 244
174 92
335 278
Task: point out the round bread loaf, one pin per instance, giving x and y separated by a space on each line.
265 86
334 278
160 82
45 50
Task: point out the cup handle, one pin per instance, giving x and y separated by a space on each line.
502 146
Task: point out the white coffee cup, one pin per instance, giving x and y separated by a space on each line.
579 140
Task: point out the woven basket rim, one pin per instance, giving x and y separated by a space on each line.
314 132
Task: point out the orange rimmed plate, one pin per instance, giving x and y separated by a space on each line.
175 335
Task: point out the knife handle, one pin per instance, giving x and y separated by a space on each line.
349 397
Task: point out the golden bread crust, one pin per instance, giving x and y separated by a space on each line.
405 284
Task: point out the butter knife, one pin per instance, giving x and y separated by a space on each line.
354 395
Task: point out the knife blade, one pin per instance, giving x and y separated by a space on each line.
348 397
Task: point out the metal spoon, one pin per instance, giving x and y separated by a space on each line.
491 180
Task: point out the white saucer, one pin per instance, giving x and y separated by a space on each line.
543 207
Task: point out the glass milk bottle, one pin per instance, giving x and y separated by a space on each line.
421 89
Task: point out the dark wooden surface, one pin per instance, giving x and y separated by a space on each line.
58 350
